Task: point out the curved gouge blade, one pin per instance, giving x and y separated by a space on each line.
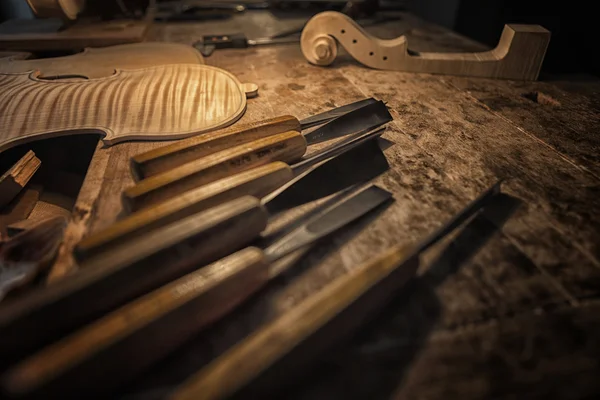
286 147
304 332
110 279
256 182
328 177
362 119
326 116
181 152
151 326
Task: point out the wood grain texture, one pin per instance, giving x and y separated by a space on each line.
285 339
15 179
174 155
287 147
256 182
160 320
159 103
519 319
519 54
177 249
102 62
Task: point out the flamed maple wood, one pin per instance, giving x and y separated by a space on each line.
158 103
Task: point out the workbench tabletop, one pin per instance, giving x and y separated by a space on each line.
500 313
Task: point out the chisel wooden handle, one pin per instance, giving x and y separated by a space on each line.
111 279
181 152
286 147
123 343
256 182
262 360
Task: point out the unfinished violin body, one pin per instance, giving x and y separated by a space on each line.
519 54
103 61
120 92
157 103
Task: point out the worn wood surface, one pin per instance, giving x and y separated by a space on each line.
507 60
516 319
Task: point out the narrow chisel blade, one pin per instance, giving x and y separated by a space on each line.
356 204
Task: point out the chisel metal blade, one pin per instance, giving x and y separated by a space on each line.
329 177
357 203
358 120
328 115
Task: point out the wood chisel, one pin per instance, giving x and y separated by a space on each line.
131 268
159 160
126 341
279 186
286 147
260 361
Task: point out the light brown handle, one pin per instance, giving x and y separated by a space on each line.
140 333
325 317
160 160
256 182
111 279
286 147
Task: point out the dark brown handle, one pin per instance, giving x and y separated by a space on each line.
324 318
113 278
160 160
287 147
123 343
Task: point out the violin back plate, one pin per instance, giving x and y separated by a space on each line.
158 103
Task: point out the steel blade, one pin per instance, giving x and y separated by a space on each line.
467 212
357 203
328 177
336 149
326 116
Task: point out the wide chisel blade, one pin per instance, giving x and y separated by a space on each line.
328 115
359 120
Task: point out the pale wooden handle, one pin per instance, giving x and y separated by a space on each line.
257 182
326 314
113 278
287 147
140 333
160 160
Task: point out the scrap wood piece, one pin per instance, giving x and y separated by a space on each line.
26 255
518 55
15 179
20 208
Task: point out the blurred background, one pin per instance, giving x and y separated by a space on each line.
572 47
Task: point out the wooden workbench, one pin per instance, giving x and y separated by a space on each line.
510 313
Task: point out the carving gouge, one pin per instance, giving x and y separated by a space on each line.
309 329
132 337
280 187
286 147
159 160
151 258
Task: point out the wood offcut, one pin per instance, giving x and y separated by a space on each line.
15 179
